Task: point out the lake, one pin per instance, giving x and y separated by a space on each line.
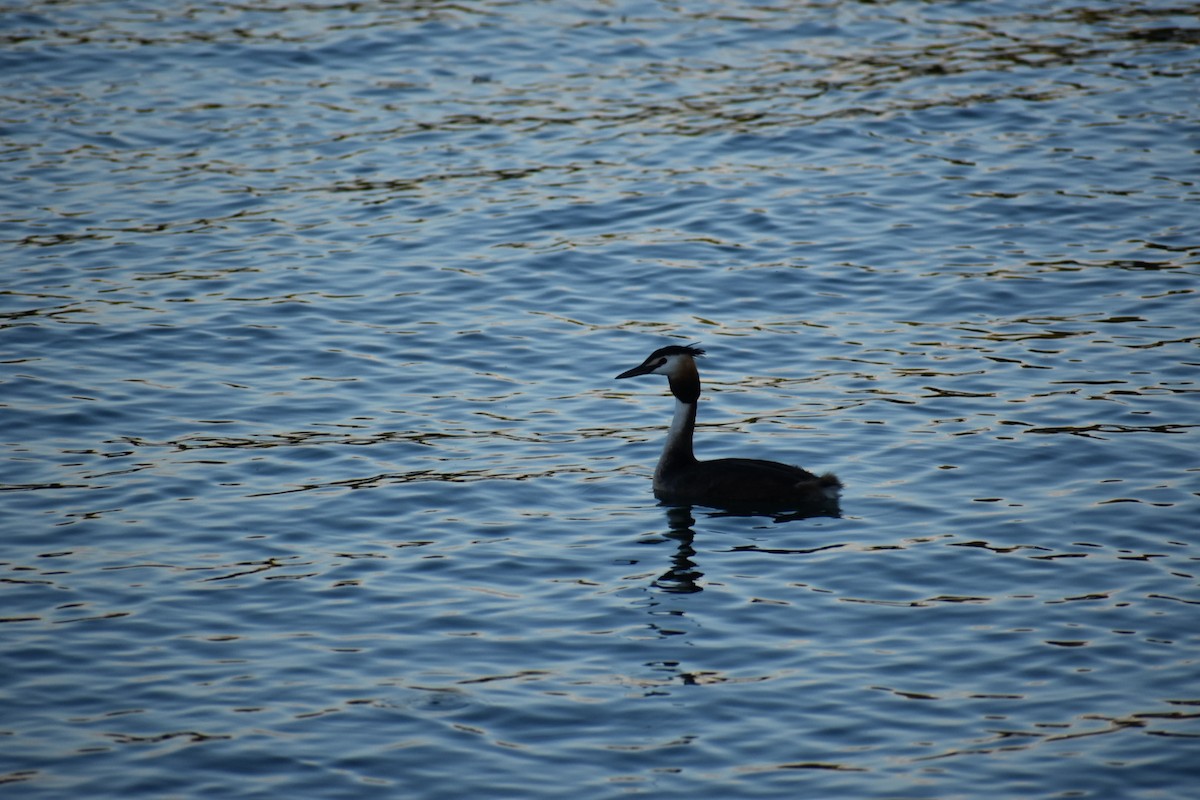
317 481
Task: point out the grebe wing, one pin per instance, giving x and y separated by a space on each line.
759 469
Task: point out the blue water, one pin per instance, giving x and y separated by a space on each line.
318 483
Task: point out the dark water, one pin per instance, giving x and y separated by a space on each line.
318 483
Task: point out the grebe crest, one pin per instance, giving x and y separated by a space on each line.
723 482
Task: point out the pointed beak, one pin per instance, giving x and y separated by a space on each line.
641 369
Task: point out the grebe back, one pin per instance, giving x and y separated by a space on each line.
680 478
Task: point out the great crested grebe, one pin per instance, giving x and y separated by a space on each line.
680 478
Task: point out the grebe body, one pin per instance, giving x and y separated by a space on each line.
681 478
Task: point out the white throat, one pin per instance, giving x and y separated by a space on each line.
680 431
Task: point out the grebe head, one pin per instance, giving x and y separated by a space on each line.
674 361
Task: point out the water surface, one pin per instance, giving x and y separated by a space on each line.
317 480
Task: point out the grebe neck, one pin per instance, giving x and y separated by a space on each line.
678 448
677 452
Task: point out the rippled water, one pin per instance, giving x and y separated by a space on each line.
317 481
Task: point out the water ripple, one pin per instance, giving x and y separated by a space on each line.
313 456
